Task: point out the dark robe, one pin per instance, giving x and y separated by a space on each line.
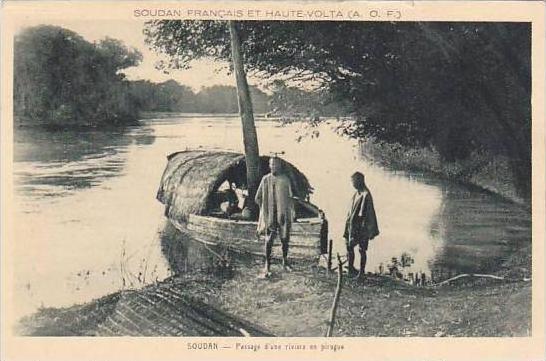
361 223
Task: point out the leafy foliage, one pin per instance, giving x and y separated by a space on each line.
162 97
456 87
293 102
63 80
170 96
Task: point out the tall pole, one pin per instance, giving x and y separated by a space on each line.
333 310
250 138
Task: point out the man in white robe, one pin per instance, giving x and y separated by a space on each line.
274 197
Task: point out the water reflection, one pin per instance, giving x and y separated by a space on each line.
478 231
186 255
58 163
86 203
182 254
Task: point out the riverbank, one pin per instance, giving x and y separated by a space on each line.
290 304
492 174
298 304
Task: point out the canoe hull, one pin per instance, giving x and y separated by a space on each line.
241 236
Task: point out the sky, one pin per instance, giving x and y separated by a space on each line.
203 73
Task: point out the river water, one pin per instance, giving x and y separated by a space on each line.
88 223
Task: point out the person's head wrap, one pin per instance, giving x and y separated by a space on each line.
359 180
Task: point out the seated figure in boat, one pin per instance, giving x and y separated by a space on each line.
230 204
274 197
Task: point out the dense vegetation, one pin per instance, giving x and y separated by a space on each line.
460 88
171 96
60 79
292 102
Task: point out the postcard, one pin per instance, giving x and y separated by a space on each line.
273 180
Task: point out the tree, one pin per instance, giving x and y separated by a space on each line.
192 43
457 87
217 99
293 102
250 138
60 79
170 96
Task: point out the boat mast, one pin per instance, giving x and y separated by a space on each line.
250 138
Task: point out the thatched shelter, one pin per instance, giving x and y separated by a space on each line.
192 176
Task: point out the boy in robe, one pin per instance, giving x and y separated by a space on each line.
361 224
274 197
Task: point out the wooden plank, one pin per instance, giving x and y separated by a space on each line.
301 247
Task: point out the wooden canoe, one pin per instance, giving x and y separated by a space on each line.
305 242
187 188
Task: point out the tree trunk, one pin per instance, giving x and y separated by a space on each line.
250 139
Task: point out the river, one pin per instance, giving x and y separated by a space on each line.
88 223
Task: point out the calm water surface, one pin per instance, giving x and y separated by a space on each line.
87 222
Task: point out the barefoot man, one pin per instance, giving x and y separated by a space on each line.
274 197
361 224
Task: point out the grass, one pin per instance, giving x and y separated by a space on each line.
298 304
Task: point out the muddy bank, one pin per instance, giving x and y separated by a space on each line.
492 174
297 304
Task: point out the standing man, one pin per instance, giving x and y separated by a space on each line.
274 197
361 224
